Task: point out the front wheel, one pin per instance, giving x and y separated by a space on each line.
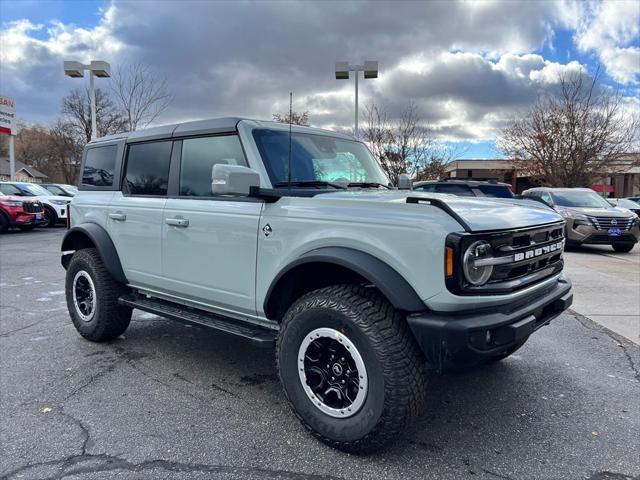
350 367
623 247
92 298
50 217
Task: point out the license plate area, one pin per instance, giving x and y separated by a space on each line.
614 232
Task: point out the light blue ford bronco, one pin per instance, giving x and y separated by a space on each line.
296 239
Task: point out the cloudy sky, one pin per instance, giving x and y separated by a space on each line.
468 66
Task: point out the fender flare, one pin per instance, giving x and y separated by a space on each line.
392 285
103 243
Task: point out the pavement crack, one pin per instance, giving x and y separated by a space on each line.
76 465
6 334
497 475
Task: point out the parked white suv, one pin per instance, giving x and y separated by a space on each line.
55 206
298 241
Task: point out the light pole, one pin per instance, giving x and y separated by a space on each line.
370 69
97 68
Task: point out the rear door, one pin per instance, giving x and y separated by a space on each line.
210 242
135 213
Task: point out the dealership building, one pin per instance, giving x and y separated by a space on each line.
624 181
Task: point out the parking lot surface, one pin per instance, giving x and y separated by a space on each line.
170 401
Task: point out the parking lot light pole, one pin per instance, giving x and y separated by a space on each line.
343 69
97 68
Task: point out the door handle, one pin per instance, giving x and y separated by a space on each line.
177 222
120 217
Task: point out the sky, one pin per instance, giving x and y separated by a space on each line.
468 66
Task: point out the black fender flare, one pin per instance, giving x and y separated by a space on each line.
392 285
75 239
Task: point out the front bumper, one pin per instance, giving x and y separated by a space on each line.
589 234
454 339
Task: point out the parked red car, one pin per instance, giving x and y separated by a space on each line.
23 214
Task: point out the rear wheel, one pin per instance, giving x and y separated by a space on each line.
92 298
350 367
623 247
50 217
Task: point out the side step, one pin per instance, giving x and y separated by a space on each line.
260 336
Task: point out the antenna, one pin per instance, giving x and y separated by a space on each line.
290 120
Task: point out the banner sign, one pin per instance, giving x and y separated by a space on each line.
7 115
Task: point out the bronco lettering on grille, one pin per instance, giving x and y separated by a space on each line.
518 257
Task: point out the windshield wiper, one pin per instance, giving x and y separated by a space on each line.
367 185
310 183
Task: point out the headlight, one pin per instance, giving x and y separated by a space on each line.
578 218
11 203
59 202
474 272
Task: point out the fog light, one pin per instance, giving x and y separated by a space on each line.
487 337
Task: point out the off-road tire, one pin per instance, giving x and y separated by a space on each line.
110 319
623 247
51 217
394 363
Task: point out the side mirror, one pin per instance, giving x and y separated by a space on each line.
405 182
233 180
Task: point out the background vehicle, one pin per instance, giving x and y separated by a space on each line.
61 189
633 199
216 223
55 207
19 213
590 218
625 203
466 188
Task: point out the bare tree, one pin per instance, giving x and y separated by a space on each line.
404 145
65 153
572 137
140 94
77 108
297 118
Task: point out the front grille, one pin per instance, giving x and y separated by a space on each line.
605 223
32 207
528 257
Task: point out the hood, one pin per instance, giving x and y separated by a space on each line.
598 212
479 213
45 198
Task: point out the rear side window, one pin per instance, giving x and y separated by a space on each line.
147 168
498 191
199 155
99 166
461 190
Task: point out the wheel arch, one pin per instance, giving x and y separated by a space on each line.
92 235
332 265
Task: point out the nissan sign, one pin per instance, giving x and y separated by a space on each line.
7 115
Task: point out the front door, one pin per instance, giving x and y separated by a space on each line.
209 242
136 213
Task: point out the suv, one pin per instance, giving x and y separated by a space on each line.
15 212
61 189
590 218
294 238
466 188
55 207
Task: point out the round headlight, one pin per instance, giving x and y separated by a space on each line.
476 274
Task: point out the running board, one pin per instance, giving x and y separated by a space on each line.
260 336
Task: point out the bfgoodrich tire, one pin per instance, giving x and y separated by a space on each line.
350 367
623 247
92 298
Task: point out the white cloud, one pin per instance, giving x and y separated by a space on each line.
610 29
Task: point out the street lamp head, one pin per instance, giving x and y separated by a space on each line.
74 69
342 70
100 68
370 69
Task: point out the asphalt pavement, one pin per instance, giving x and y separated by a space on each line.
170 401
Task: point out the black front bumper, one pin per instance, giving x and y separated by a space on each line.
466 338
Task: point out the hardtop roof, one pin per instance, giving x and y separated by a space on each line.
208 127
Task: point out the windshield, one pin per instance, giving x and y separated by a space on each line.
580 198
31 189
317 158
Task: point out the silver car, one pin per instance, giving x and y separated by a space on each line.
590 218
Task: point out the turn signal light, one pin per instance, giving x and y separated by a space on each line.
448 262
